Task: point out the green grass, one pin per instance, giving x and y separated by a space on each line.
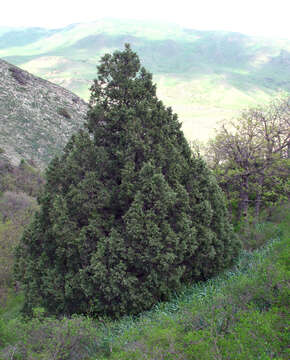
241 314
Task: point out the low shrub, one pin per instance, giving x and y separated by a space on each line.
14 205
19 75
50 338
254 235
63 112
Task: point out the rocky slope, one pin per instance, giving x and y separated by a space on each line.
37 117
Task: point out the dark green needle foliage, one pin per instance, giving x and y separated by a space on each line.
128 214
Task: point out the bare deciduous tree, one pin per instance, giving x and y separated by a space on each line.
252 152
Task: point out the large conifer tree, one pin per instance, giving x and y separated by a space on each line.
128 214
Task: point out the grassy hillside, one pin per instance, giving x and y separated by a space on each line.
204 75
241 314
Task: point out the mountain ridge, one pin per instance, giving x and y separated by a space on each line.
205 76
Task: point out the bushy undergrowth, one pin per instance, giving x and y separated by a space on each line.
255 234
241 314
15 212
19 186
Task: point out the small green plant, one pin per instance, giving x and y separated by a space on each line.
63 112
19 75
66 339
255 235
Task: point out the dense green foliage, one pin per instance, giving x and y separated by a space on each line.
128 215
241 314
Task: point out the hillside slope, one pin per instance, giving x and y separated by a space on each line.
205 76
241 314
36 117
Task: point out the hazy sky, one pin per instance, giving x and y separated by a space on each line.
254 17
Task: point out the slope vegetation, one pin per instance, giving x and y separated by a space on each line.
241 314
36 117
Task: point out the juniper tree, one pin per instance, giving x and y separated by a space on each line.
128 214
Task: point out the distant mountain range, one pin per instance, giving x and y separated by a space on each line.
206 76
36 117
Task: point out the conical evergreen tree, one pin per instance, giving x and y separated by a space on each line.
128 214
